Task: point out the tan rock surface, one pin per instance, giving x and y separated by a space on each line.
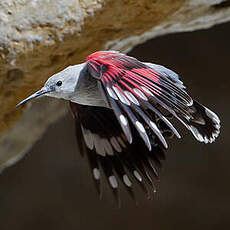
39 38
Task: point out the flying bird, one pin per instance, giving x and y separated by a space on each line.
123 110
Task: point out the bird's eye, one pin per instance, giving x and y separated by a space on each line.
59 83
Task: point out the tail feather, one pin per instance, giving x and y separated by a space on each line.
205 125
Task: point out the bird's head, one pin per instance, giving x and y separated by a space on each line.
60 85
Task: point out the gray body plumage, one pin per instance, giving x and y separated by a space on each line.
87 92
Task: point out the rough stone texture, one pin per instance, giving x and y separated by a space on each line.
193 15
34 44
39 38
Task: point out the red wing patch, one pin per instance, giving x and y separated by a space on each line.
131 87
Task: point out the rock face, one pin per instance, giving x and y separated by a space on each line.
39 38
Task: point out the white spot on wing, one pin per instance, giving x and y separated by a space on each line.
137 175
147 90
96 173
131 97
140 94
113 181
111 93
123 120
127 181
122 98
140 126
88 137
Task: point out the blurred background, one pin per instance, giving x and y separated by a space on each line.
51 187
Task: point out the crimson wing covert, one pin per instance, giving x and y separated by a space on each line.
132 88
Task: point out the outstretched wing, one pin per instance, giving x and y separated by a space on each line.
101 138
133 88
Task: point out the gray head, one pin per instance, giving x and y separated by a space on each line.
60 85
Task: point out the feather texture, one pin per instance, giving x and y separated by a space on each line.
132 87
121 162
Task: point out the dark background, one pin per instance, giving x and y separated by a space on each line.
51 188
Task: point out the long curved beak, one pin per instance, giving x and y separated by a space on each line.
37 94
